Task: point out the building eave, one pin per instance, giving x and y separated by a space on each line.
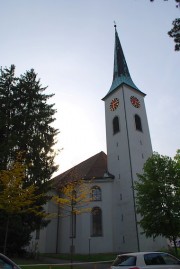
111 91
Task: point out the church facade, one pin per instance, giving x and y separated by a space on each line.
112 223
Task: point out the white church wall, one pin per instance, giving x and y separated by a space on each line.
51 232
47 234
84 242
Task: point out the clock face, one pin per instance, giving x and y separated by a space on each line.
135 102
114 104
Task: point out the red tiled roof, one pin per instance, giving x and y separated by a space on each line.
93 168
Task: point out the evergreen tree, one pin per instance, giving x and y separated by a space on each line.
26 120
175 33
33 127
7 86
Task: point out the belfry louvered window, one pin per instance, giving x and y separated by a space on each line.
138 123
116 128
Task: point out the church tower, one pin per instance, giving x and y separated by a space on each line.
128 147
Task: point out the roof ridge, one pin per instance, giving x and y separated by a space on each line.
62 175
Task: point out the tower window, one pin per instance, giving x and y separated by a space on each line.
138 123
115 125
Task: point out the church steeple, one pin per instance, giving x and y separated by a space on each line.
120 65
121 73
128 148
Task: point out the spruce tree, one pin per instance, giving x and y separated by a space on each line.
26 126
7 86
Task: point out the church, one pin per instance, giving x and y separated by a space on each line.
114 226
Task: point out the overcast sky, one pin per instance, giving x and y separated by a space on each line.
70 44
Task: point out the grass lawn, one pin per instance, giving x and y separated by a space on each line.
83 257
43 263
40 264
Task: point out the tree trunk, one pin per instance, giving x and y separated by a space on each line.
175 245
6 235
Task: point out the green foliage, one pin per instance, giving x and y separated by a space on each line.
157 196
26 126
15 198
177 2
175 33
7 85
73 197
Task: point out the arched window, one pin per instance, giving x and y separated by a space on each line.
96 193
138 123
115 125
96 214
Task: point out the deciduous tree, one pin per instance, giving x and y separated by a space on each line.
73 199
157 196
14 197
175 31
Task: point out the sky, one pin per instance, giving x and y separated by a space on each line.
70 45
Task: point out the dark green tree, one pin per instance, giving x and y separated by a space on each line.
177 2
175 31
33 127
26 126
157 196
7 86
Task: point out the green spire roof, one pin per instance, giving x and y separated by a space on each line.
121 73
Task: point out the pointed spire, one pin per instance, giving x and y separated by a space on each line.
120 65
121 73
